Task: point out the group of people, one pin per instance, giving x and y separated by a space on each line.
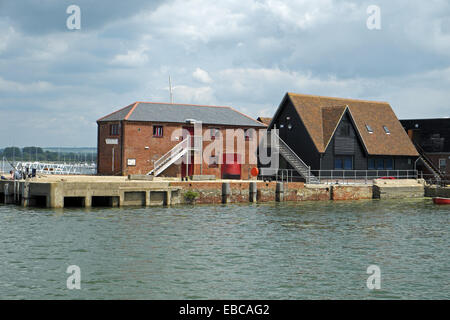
15 175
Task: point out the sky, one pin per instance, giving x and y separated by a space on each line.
55 82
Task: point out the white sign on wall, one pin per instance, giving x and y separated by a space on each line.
131 162
112 141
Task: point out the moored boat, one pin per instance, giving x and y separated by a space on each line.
440 200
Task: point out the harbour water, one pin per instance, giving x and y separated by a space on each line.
310 250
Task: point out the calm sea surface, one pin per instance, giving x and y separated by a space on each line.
310 250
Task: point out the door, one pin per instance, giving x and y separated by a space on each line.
187 165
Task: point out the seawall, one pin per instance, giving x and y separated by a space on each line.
67 191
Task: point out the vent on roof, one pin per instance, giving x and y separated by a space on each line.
386 130
369 128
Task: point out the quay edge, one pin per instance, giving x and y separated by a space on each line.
117 192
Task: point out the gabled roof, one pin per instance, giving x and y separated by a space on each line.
321 116
179 113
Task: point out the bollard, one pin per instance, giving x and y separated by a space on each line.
226 192
253 190
26 194
279 192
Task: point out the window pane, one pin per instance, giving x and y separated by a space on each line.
157 131
371 164
380 164
348 163
388 163
338 164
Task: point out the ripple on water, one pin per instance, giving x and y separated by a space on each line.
310 250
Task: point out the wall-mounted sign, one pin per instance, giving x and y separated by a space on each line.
131 162
112 141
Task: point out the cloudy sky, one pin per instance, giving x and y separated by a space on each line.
55 82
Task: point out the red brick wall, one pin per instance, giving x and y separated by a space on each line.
139 135
105 151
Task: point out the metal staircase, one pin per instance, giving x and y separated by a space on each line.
428 163
170 157
294 160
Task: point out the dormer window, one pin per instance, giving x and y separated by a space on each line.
369 128
386 130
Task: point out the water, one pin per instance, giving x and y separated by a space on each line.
310 250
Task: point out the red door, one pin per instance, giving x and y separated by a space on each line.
190 160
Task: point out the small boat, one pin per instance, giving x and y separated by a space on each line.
439 200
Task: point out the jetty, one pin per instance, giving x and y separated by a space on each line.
119 191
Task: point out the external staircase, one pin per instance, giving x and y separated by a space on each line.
428 163
170 157
294 160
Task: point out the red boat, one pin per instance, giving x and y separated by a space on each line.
439 200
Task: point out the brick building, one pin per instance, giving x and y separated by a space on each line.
166 140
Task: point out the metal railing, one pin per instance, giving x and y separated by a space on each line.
57 168
431 179
184 144
341 176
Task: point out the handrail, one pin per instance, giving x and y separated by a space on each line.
292 151
429 162
170 152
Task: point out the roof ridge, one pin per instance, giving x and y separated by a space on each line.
110 114
183 104
336 98
131 111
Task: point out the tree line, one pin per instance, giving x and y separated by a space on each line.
38 154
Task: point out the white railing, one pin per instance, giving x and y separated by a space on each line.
344 176
57 168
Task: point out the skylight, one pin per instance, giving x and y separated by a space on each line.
386 130
369 128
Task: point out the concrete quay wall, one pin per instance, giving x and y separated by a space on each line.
67 192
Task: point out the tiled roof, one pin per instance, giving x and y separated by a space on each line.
321 115
179 113
264 120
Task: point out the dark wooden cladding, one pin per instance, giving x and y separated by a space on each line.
345 142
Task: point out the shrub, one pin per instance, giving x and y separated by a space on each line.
190 196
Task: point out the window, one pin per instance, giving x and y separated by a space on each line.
386 130
157 131
215 133
338 164
369 128
442 164
343 163
114 129
348 163
380 164
389 164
